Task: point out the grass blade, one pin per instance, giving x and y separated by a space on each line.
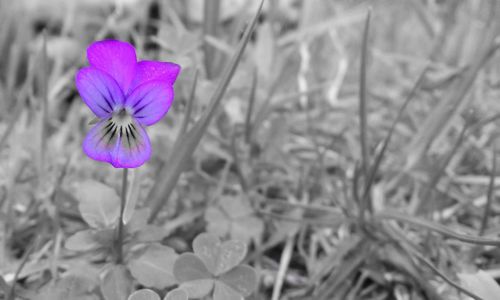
362 97
184 149
437 228
491 187
381 153
251 102
210 22
189 108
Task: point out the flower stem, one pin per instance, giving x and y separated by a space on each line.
119 239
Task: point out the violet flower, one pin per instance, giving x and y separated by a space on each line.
126 96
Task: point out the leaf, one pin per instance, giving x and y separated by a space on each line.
144 294
139 221
116 283
198 288
224 292
206 247
154 268
217 221
82 241
247 229
176 294
482 284
70 287
230 254
217 257
151 233
242 279
190 267
98 204
235 207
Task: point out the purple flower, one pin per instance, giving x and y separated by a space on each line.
126 96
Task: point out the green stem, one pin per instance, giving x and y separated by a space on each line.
119 239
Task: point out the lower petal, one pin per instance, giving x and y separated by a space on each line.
133 148
121 145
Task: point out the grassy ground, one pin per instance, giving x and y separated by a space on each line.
353 148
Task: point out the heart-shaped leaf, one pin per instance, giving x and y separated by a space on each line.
154 268
116 283
98 204
224 292
176 294
206 247
198 288
82 241
144 294
230 254
242 279
217 257
189 267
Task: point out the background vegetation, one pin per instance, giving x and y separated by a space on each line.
351 147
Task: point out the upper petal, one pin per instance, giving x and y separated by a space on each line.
150 101
116 58
99 91
155 70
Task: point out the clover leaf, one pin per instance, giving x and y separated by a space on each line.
215 268
236 218
147 294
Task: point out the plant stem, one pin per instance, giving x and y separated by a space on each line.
119 239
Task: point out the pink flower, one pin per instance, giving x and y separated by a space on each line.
126 96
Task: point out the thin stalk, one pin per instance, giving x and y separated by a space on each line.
489 199
45 102
119 239
362 97
364 205
189 109
251 102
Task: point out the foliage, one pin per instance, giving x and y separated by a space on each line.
215 268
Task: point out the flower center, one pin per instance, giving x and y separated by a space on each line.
121 125
122 117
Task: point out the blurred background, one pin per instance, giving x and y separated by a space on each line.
279 166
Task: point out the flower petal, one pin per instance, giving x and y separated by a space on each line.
155 70
123 146
133 148
150 101
116 58
99 91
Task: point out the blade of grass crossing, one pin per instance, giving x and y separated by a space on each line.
489 199
381 153
181 154
251 102
362 96
362 109
45 101
211 19
189 108
441 229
